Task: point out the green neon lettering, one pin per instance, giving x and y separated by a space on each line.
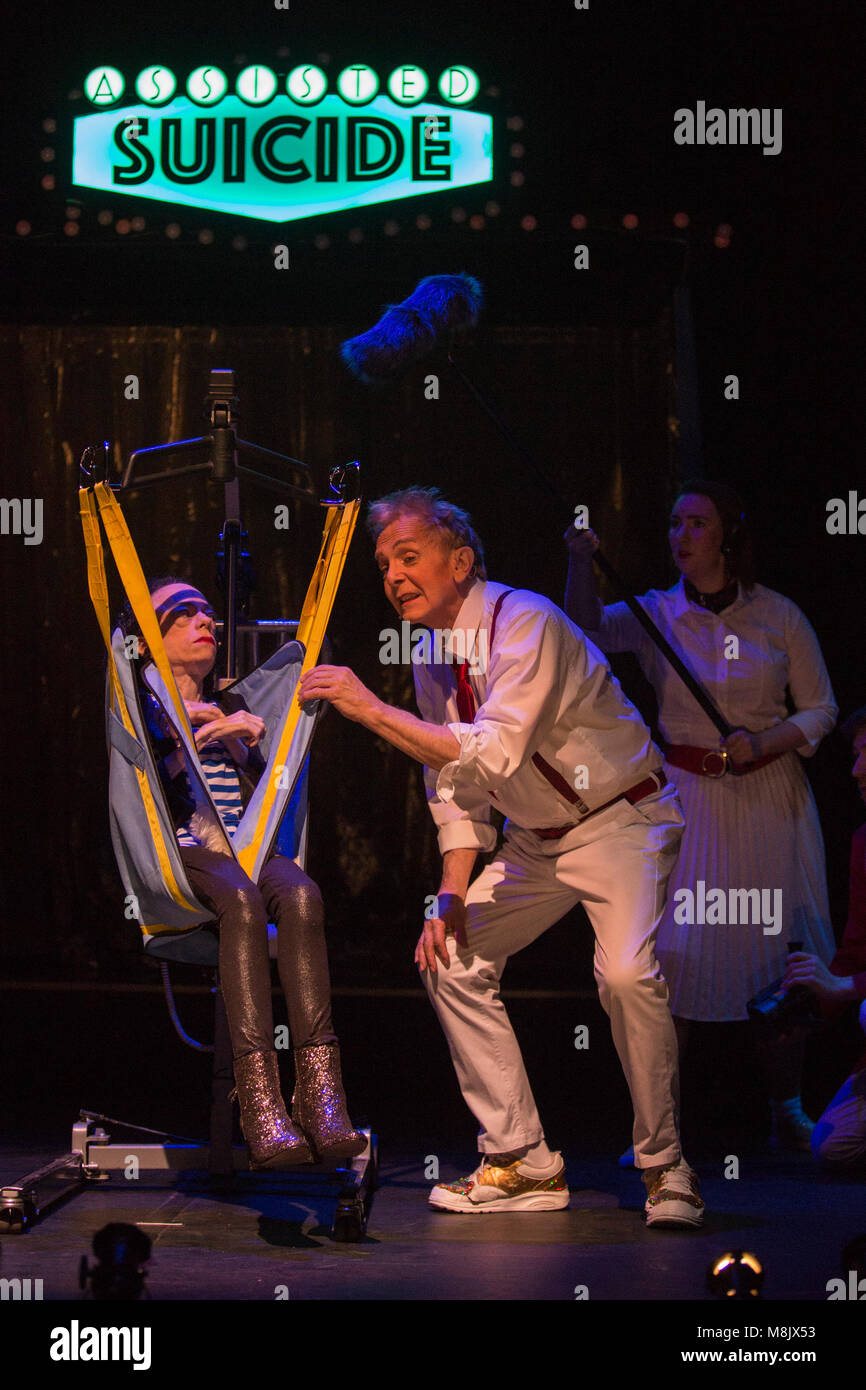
127 139
202 165
452 73
360 165
99 92
266 160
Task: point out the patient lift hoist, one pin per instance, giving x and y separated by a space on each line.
142 829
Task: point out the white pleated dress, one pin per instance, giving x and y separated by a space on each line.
757 831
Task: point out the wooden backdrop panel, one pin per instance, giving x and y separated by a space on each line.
593 405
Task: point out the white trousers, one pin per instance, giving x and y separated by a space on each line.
617 865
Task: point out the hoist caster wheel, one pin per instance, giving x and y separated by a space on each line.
349 1224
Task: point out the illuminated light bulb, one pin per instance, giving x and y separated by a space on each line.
71 228
578 221
104 217
138 224
492 209
528 223
205 236
630 221
172 231
49 126
477 222
46 154
391 228
122 226
23 228
423 221
458 84
737 1274
47 181
681 219
357 84
516 179
256 85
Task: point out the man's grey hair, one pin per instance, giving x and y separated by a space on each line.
453 525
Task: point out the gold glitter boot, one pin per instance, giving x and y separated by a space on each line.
319 1104
271 1138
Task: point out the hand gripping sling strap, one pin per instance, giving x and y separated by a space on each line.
142 829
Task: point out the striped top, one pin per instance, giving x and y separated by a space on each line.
225 788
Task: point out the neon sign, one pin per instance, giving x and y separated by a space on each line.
280 151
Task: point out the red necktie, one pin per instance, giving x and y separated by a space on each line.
465 697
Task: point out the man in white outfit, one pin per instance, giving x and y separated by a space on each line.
520 711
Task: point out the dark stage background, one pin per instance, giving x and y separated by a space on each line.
582 364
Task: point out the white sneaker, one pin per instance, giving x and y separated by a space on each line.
673 1196
497 1185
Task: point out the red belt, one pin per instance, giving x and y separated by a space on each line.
634 794
711 762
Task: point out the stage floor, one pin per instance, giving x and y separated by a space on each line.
270 1238
111 1049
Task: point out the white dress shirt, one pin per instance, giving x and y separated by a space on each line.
776 648
547 689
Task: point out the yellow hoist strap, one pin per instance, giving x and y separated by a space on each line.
98 586
135 586
315 616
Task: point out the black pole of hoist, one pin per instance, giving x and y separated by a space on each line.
231 539
224 458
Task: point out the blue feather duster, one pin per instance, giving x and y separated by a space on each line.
408 331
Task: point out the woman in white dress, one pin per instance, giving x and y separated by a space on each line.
751 819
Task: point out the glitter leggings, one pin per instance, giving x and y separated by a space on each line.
242 909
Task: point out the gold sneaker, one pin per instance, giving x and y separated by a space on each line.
496 1185
673 1196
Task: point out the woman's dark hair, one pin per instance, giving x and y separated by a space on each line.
737 544
854 724
128 623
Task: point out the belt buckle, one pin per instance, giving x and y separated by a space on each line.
714 753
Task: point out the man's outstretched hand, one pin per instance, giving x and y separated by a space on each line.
340 686
451 920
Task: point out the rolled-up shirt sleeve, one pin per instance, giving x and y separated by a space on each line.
814 703
526 683
459 827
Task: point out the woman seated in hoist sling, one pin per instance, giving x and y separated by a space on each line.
227 743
